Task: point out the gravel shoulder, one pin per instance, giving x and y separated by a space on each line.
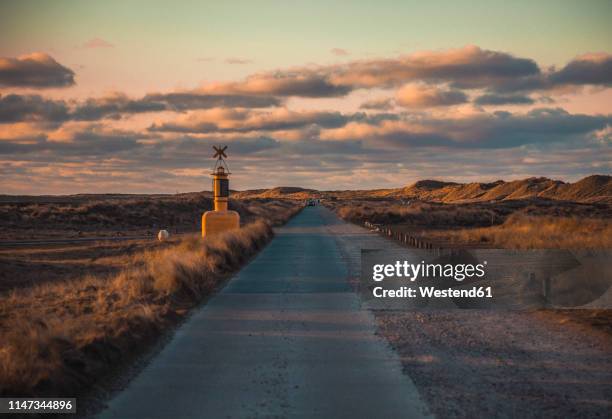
475 363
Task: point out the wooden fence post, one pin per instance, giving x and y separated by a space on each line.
546 291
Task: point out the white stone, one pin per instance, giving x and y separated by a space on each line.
163 235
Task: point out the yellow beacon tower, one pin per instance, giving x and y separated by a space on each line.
220 219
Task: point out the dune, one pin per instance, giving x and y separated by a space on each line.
591 189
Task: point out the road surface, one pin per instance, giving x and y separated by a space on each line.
286 337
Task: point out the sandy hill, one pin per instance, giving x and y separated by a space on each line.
287 192
595 188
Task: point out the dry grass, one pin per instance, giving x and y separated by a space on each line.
100 215
521 231
419 214
275 211
59 338
524 224
27 265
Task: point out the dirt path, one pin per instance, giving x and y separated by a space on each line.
285 338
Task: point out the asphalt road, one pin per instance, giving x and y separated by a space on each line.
286 337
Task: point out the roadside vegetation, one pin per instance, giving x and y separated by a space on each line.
510 224
524 224
535 232
59 338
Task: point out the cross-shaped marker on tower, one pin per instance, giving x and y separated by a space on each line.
220 152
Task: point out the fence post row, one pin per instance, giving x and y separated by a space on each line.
406 238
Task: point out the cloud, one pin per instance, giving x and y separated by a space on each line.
421 96
97 43
245 121
196 100
238 145
97 143
365 152
604 135
37 70
499 99
113 107
82 145
590 69
239 61
585 70
116 105
383 104
178 164
51 141
31 108
299 82
478 131
28 108
469 67
464 68
341 52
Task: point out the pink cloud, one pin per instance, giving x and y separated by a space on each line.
468 67
339 51
242 120
97 43
422 96
381 104
34 70
239 61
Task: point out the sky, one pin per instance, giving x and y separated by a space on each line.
130 96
